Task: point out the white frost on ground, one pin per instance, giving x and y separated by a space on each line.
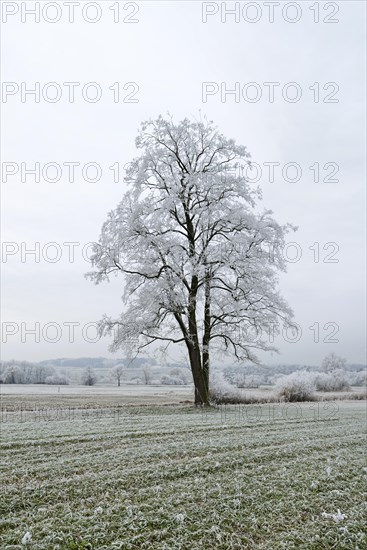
336 517
27 538
125 390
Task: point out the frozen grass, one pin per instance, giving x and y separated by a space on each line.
79 395
81 390
147 394
172 477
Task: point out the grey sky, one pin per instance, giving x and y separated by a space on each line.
169 53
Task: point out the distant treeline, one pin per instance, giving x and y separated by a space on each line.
23 372
98 362
247 375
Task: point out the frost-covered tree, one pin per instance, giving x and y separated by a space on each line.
12 375
58 380
23 372
182 374
147 374
200 263
333 362
118 372
89 377
297 386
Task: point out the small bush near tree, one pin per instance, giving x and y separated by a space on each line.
298 386
171 380
336 380
57 380
222 391
358 378
184 375
89 377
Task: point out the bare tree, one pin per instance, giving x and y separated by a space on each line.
200 263
147 374
118 372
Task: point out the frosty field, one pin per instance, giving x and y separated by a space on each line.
80 473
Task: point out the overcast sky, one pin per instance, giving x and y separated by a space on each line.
169 53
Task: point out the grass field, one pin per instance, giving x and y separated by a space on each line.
99 476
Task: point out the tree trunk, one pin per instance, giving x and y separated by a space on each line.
200 381
206 369
207 331
202 392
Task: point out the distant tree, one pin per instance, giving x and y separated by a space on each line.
171 380
89 377
118 372
12 375
184 375
333 362
147 374
199 260
57 380
23 372
41 372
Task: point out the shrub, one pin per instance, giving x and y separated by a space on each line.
183 374
135 380
171 380
298 386
57 380
336 380
249 381
358 378
221 391
89 377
